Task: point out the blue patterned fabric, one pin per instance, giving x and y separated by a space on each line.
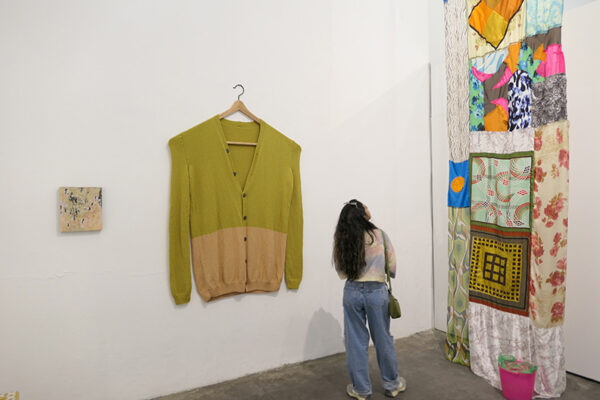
476 109
491 62
458 189
543 15
519 101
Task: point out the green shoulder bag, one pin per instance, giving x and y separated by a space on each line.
394 306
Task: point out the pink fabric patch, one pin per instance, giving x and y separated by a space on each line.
555 62
482 76
502 102
505 78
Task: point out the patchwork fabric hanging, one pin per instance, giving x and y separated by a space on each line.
457 341
508 241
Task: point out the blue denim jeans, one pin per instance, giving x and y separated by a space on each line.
368 301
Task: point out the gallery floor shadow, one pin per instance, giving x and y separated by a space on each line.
429 376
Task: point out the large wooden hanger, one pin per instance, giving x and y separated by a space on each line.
238 105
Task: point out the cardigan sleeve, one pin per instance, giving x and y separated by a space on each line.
293 254
179 224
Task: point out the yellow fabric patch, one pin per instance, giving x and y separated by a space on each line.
496 268
499 276
495 24
495 29
9 396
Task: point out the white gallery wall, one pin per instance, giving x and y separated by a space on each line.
91 92
439 162
582 315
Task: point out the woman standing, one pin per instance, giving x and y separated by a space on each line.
358 254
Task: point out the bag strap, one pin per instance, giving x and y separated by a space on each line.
387 265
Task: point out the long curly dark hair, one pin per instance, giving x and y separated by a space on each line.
349 239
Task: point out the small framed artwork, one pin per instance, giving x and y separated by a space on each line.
80 209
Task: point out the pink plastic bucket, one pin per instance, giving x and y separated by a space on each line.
517 386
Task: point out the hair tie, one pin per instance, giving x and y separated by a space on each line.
351 203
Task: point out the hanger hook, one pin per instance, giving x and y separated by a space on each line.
239 95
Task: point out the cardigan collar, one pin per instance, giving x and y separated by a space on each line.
256 158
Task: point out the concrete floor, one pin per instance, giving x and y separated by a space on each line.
429 376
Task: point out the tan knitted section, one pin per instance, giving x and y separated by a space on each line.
225 264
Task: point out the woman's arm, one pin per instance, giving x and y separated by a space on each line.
391 254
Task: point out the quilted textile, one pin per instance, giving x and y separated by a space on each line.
501 189
457 337
502 143
513 268
458 187
493 332
549 100
457 91
543 15
550 225
494 24
499 268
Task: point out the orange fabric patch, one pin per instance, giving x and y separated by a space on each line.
457 184
490 18
496 120
479 17
540 53
508 8
512 60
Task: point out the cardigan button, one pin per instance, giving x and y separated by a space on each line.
244 217
243 194
245 238
234 173
227 150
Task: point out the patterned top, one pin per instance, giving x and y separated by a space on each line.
374 270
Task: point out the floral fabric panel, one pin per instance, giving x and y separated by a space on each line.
501 189
549 100
499 268
493 332
457 79
550 225
457 337
494 24
458 187
543 15
502 143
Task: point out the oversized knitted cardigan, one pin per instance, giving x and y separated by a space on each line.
239 206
